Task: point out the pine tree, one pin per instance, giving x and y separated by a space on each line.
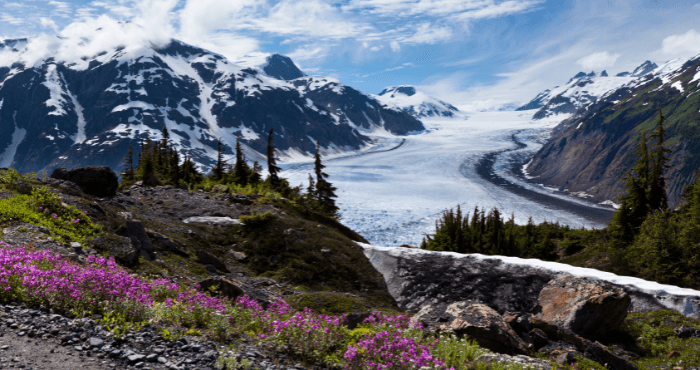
129 162
218 170
325 192
255 175
272 168
241 170
174 167
658 199
311 190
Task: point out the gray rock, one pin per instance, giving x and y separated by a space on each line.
96 342
210 259
133 359
64 184
523 361
417 277
136 232
165 242
220 221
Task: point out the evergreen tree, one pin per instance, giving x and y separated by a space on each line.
311 190
325 192
272 168
255 175
218 170
174 167
658 199
129 162
241 170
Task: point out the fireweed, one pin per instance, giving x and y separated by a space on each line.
99 286
393 343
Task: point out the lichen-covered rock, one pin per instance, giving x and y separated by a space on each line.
475 320
136 232
99 181
590 308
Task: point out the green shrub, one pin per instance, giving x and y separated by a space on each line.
256 219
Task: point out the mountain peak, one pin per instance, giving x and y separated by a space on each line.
282 67
403 89
644 68
416 103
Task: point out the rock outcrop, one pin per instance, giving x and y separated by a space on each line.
99 181
416 278
475 320
590 308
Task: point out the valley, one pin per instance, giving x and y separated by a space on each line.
392 193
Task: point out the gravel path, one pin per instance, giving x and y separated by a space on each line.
37 340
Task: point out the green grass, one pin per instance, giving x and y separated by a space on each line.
654 336
44 208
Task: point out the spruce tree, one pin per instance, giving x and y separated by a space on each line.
658 199
218 170
129 162
272 168
255 175
241 170
325 192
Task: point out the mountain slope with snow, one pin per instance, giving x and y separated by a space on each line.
591 151
66 106
580 91
416 103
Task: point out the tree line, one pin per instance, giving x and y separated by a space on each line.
158 163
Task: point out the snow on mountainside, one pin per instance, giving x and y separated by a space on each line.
416 103
63 105
581 90
593 149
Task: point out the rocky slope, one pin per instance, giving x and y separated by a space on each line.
592 150
85 108
581 90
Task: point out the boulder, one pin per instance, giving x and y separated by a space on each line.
225 287
210 259
118 247
592 350
416 277
99 181
590 308
478 321
164 242
220 221
136 232
64 185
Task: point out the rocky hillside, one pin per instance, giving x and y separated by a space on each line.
581 90
592 150
68 109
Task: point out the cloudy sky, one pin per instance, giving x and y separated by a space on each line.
476 54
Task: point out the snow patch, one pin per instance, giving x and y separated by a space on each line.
8 156
53 83
133 104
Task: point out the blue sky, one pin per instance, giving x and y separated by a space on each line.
476 54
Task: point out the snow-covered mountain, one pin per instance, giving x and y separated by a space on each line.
591 151
416 103
581 90
73 106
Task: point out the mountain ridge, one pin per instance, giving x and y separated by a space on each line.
76 111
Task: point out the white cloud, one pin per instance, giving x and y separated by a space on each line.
597 61
427 33
7 18
684 45
48 23
395 47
